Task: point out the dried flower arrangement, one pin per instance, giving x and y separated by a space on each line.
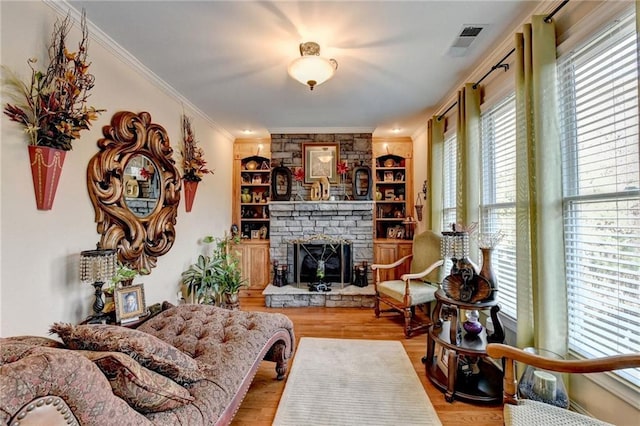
52 106
193 162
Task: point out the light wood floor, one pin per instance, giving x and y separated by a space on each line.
260 404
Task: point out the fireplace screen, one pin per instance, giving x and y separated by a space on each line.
328 262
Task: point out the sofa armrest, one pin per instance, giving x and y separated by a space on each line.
76 380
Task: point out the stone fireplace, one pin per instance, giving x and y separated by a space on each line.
325 221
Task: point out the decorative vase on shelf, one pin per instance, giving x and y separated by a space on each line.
472 325
246 197
46 168
487 272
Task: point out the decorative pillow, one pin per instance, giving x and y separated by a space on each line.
17 347
148 350
142 389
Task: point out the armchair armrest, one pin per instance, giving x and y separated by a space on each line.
422 274
512 354
391 265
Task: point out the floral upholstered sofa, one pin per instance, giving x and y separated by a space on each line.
188 365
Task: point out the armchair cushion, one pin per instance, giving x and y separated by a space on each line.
533 413
142 389
148 350
421 292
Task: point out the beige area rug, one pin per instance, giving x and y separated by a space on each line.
337 382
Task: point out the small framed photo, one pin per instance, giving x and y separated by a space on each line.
442 355
129 301
255 234
388 176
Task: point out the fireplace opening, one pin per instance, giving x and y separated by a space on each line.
333 260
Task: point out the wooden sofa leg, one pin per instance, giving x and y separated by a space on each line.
280 360
376 307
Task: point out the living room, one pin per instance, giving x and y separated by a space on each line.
40 249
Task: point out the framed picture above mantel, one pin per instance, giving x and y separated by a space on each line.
320 160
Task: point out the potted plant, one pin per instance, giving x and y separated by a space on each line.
227 269
216 278
52 107
193 162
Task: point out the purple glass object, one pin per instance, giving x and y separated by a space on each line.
472 325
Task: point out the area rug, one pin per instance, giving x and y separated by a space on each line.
353 382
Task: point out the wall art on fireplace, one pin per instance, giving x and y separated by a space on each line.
321 160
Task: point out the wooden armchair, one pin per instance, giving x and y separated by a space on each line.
534 413
416 288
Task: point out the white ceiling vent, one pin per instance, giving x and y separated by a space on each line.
467 35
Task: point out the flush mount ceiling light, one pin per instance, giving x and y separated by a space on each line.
310 68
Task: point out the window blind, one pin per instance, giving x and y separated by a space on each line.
449 182
449 188
598 92
498 208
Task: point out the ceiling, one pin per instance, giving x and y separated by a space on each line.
230 58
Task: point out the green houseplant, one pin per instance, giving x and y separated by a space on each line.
216 278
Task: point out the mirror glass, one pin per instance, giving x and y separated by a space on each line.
141 185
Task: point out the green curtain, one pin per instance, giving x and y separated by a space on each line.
435 152
541 295
468 165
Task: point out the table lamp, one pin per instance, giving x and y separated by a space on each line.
97 267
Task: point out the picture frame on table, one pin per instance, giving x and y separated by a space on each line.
320 160
442 358
129 303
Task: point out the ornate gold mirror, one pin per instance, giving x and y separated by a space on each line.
135 189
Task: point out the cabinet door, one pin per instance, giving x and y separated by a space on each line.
255 267
389 252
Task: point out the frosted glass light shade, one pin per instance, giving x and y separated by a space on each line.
312 70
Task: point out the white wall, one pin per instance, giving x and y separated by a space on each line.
39 281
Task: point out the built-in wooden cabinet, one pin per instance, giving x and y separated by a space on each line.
251 195
392 187
393 202
255 265
386 252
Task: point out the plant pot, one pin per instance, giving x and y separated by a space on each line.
190 188
46 168
231 301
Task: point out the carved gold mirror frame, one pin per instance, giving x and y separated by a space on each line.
139 238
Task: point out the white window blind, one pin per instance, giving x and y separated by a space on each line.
449 188
598 85
498 208
449 182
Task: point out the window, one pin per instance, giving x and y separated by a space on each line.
598 83
449 182
498 201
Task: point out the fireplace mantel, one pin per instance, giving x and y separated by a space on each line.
320 206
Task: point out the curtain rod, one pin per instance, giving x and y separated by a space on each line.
495 67
547 19
560 6
441 116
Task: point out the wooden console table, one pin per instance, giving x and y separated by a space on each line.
462 368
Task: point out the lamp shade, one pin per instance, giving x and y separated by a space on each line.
97 265
310 68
